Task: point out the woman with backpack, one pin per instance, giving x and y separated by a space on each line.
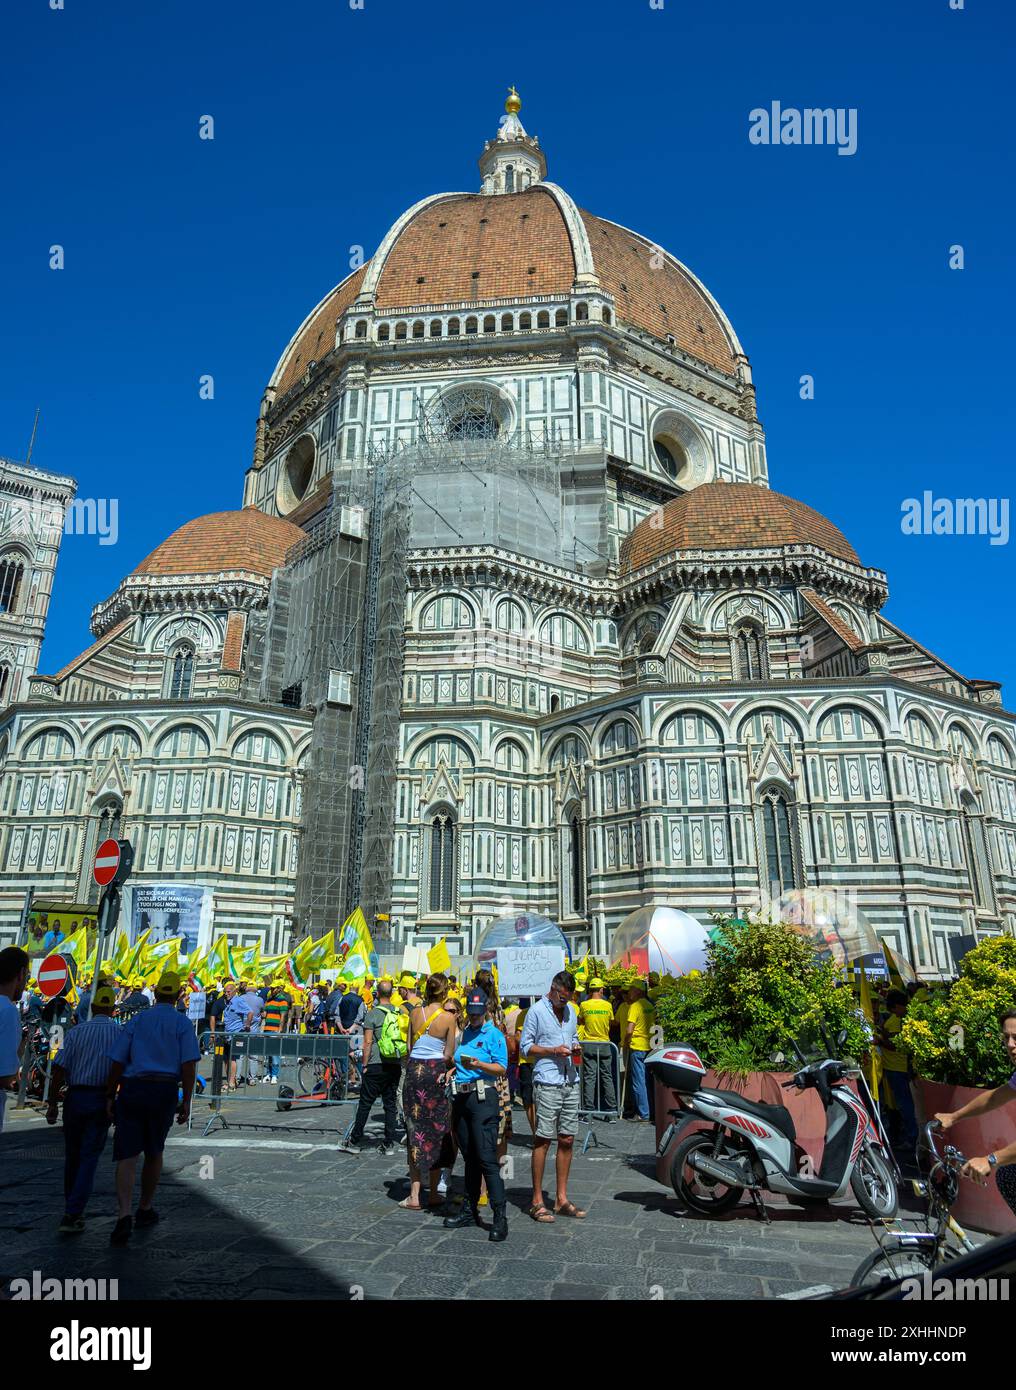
433 1034
383 1050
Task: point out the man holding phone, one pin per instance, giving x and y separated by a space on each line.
550 1042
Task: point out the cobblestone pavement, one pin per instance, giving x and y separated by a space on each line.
250 1214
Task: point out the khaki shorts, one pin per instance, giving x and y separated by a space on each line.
557 1109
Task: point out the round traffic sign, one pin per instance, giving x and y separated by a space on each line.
54 975
107 861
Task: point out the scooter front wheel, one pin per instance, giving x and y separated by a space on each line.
874 1185
697 1190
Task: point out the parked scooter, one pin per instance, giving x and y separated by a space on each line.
752 1146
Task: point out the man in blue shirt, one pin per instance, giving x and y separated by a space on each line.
84 1062
480 1058
152 1055
550 1042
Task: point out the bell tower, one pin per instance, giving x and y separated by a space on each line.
33 506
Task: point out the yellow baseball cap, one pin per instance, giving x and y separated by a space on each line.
596 983
104 998
168 986
407 980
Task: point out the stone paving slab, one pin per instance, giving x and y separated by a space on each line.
284 1215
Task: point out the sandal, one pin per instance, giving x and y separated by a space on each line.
407 1205
541 1214
570 1209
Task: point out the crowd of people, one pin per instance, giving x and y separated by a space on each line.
449 1062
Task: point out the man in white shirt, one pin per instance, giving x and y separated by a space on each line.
13 977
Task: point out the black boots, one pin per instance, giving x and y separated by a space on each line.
499 1230
466 1216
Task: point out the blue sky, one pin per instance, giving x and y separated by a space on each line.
186 257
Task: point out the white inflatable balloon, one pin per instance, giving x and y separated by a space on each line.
663 939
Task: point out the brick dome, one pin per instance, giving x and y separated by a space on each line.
222 541
731 516
458 247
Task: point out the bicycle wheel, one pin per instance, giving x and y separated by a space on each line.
310 1077
893 1261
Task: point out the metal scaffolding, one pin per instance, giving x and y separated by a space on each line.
334 635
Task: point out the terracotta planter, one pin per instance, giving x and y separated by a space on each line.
805 1107
981 1208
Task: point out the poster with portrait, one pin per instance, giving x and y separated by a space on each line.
166 910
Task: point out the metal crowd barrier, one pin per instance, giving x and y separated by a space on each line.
296 1071
600 1061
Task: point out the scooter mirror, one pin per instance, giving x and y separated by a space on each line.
841 1037
777 1057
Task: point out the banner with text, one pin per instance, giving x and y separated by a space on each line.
527 969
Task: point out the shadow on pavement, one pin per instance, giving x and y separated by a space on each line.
201 1248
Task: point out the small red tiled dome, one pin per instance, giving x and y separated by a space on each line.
247 540
731 516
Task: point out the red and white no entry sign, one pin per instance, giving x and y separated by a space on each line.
107 861
54 975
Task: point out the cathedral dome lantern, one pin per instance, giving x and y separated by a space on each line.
513 160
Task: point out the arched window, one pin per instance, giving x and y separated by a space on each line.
507 323
418 328
619 738
400 331
543 319
182 678
445 614
106 825
489 323
361 328
443 863
384 332
12 572
582 312
561 631
576 867
749 657
525 322
5 680
435 328
511 756
561 318
978 861
472 325
509 178
606 314
509 616
453 328
571 749
777 829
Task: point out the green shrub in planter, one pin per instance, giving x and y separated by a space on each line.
954 1036
763 986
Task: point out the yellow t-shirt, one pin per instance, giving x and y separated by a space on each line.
892 1059
595 1018
643 1015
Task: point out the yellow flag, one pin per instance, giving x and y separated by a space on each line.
132 965
75 947
120 952
322 953
218 961
438 958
